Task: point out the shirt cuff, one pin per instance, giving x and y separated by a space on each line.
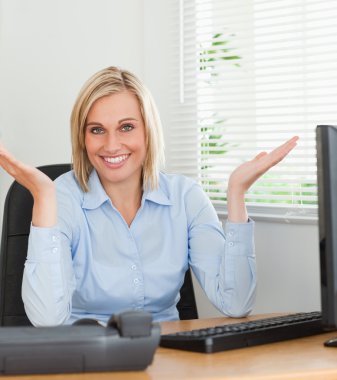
240 238
44 244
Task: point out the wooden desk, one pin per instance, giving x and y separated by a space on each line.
301 359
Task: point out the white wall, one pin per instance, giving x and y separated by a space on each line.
288 269
48 48
157 55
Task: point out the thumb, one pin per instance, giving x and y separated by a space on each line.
261 154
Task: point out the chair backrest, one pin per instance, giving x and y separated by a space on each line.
187 306
15 231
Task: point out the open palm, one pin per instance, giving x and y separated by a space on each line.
28 176
247 173
40 186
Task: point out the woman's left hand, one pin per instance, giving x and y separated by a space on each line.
246 174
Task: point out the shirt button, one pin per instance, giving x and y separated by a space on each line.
133 267
231 244
230 233
54 250
136 281
54 238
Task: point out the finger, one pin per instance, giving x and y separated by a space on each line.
6 158
5 154
261 154
278 154
293 139
281 151
10 164
288 145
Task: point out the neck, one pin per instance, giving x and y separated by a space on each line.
126 198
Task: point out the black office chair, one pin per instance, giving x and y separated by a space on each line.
15 230
187 306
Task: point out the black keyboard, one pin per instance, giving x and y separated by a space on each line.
245 334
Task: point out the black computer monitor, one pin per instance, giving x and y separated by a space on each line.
326 146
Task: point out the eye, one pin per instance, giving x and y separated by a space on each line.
127 127
97 130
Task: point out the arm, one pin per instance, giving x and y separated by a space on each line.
224 261
48 279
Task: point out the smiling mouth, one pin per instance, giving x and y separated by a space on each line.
116 160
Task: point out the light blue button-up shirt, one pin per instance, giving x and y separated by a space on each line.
92 264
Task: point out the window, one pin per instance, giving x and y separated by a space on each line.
246 76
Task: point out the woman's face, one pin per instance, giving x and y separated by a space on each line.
115 139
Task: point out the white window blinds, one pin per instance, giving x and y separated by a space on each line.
246 76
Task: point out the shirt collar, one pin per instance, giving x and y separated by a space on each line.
157 196
96 195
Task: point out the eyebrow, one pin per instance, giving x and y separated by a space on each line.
127 118
119 121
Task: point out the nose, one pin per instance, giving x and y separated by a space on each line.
112 142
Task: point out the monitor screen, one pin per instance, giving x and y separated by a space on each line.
326 145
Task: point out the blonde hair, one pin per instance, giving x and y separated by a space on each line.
109 81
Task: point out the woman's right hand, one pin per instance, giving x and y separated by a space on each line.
40 186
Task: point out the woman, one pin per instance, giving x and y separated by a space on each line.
116 233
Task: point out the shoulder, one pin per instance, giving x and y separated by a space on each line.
176 180
67 184
172 183
187 194
178 186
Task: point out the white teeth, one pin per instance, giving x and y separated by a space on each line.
116 160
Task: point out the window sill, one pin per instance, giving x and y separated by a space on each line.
280 214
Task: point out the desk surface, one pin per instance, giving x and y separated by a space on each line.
304 358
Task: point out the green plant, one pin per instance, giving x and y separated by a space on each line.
213 54
218 45
285 194
211 145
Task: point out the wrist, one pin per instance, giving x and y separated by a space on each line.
45 192
236 207
45 208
